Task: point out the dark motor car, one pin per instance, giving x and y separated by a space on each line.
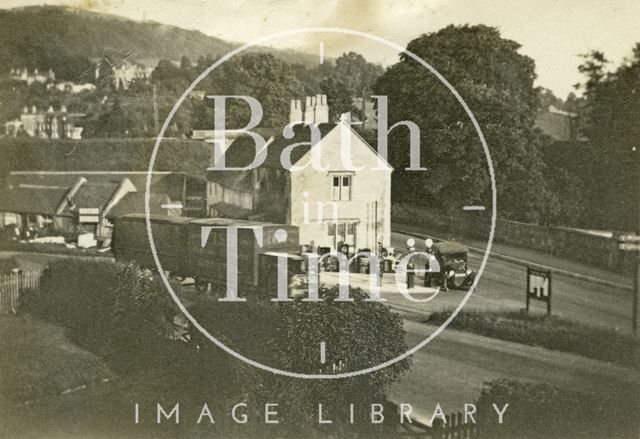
454 269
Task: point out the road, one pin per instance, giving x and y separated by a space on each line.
502 287
452 368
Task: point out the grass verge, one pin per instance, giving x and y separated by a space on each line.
548 332
39 360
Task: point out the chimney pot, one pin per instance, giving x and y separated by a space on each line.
295 114
308 110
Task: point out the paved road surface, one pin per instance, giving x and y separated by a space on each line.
502 287
452 368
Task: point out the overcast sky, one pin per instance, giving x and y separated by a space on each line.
552 32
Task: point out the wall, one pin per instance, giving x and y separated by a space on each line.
598 251
368 187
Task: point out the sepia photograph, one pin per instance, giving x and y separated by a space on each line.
326 219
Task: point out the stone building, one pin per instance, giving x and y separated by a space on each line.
333 205
50 124
25 75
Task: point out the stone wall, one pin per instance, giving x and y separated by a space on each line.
572 244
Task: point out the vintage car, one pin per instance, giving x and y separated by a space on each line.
454 270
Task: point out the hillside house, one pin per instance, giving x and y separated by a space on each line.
50 124
123 72
333 206
24 75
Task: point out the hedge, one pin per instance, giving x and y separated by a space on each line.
549 332
542 411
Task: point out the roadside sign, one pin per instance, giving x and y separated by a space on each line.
539 286
629 238
88 215
629 246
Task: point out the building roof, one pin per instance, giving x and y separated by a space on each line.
33 200
162 182
237 181
242 150
93 195
44 193
133 204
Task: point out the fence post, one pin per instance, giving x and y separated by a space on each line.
11 287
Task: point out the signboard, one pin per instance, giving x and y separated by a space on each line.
539 286
88 215
629 238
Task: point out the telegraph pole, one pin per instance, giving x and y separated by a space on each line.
156 122
636 279
632 242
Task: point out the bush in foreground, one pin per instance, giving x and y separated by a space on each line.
124 313
549 332
541 411
119 311
287 336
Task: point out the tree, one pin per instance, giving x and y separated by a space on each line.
356 72
611 105
185 63
339 96
260 75
168 77
497 84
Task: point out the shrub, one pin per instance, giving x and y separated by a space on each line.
78 294
357 335
549 332
119 311
141 319
287 336
541 411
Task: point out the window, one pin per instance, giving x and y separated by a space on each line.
341 188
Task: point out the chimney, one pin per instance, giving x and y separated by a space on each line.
295 114
321 110
25 110
308 110
33 109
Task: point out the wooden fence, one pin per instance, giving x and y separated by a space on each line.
12 285
455 428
